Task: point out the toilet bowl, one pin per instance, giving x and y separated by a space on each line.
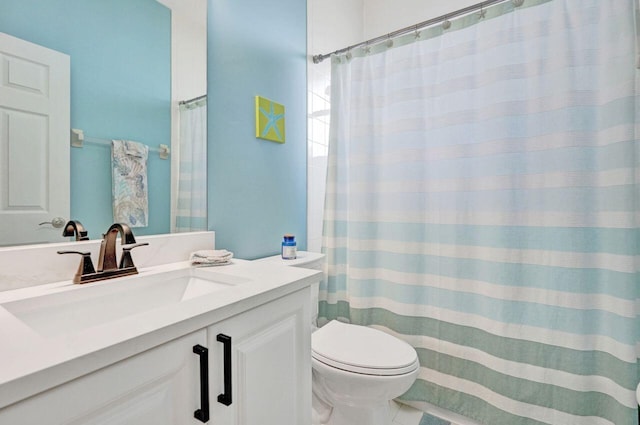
357 370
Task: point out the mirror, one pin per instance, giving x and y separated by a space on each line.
123 86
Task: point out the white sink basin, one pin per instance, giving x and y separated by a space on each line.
84 306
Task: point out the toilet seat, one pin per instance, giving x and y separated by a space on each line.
362 350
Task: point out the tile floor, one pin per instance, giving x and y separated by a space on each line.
406 415
402 414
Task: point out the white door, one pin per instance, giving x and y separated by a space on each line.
160 386
269 349
34 141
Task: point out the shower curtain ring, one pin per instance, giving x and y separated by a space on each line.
482 12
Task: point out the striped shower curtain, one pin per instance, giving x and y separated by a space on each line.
483 204
191 202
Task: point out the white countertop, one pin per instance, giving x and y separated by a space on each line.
302 258
31 362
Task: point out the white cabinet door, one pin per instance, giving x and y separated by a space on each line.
270 353
34 141
158 387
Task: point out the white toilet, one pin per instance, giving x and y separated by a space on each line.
357 370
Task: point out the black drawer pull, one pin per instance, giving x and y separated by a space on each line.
225 397
202 414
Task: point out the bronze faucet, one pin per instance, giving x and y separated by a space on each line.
75 228
108 266
107 259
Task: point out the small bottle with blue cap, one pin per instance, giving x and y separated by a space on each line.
289 248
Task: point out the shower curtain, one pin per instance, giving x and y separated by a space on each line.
191 208
483 205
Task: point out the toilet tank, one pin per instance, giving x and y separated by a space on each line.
307 260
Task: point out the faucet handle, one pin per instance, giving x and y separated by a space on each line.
126 261
86 265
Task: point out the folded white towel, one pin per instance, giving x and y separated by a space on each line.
211 257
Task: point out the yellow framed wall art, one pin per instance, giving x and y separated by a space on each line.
269 120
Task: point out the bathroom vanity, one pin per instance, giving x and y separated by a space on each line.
173 345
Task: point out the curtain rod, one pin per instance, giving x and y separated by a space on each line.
416 27
195 99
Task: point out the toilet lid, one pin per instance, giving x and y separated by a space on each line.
361 349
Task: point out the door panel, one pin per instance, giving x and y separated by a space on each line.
34 141
270 364
157 387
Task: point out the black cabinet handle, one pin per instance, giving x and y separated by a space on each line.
225 397
202 414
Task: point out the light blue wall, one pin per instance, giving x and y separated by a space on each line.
257 189
120 89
